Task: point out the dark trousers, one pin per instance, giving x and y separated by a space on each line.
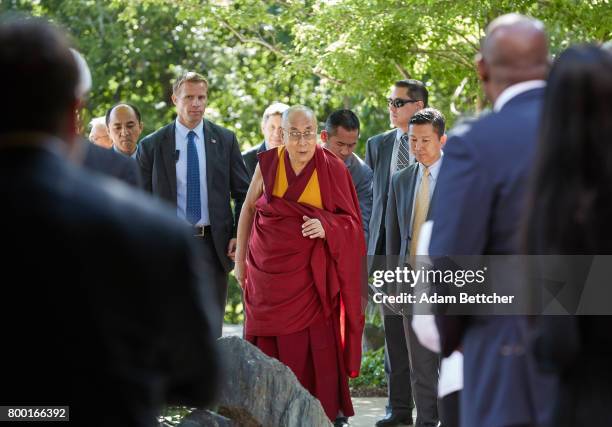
449 410
214 274
397 367
424 372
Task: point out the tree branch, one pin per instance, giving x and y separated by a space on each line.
405 74
260 41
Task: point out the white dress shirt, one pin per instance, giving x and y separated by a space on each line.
180 136
515 90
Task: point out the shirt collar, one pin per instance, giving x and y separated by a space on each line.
398 134
433 169
182 130
515 90
133 155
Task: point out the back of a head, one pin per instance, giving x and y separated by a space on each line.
40 77
573 173
516 49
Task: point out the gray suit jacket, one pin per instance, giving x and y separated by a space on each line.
379 150
250 158
226 176
399 211
362 180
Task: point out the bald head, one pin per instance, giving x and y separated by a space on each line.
514 50
296 111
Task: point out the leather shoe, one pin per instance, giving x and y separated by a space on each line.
392 420
341 422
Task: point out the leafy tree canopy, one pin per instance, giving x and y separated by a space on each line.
324 54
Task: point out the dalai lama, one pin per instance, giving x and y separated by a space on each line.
300 259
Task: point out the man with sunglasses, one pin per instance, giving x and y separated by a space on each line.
386 154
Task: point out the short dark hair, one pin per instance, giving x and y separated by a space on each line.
416 89
432 116
345 118
40 76
110 110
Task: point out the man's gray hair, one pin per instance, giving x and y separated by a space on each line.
297 108
273 109
97 121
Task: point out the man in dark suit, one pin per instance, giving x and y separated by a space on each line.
93 155
386 154
111 163
476 210
196 166
270 128
128 336
407 209
340 137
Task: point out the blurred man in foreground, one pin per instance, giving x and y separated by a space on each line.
86 335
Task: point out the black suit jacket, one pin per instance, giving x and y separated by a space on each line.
250 158
105 306
108 162
226 176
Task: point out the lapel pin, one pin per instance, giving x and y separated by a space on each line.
214 141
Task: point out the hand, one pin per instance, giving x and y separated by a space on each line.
312 228
240 273
231 249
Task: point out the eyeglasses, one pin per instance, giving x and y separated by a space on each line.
308 135
399 102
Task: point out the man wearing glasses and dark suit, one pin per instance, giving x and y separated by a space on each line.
386 154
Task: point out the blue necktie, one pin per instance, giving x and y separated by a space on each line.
194 205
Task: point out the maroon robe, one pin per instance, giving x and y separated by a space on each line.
304 298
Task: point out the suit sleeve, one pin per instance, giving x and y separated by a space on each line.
370 154
145 164
239 181
392 238
462 202
461 208
364 193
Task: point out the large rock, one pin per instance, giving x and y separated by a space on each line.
264 389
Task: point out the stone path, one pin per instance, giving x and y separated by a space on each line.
367 409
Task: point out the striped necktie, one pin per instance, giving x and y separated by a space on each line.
421 207
403 153
194 205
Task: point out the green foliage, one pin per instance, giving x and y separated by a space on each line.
234 313
372 370
325 54
372 315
